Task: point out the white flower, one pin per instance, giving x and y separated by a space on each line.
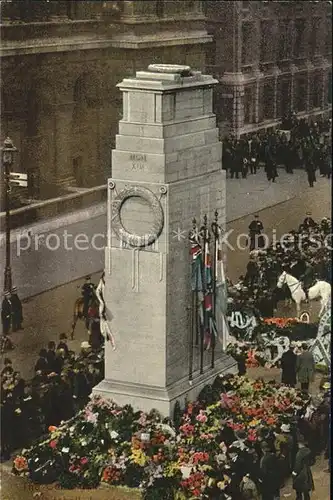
114 435
92 417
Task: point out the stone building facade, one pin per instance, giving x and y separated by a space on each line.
61 62
269 57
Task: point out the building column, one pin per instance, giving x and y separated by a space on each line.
277 73
63 169
324 89
308 87
256 101
238 111
292 86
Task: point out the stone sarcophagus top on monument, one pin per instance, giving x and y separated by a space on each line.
166 169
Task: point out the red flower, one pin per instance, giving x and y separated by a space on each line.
84 461
53 443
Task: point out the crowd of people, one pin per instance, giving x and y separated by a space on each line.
304 253
298 144
60 387
262 467
283 452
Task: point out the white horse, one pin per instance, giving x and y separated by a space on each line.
321 289
295 287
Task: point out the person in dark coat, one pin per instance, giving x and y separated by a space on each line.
87 292
59 360
288 365
81 388
41 365
6 313
305 368
302 475
17 312
269 474
308 221
227 154
255 229
51 357
311 171
63 344
7 364
64 397
241 363
251 273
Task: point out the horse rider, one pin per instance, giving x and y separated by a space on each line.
308 278
88 291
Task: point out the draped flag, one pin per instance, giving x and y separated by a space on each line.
196 254
104 326
221 303
209 327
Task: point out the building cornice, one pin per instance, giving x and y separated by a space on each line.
55 45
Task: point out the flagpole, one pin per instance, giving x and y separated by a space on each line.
193 315
196 298
215 233
204 289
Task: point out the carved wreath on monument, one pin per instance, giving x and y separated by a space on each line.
132 239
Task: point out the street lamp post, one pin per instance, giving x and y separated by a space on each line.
8 150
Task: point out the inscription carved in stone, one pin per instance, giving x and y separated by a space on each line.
138 162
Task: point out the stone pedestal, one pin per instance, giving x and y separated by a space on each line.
166 169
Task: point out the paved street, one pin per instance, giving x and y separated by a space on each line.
37 268
50 313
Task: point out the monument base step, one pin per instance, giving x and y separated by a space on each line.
146 397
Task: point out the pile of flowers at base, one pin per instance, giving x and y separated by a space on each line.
114 445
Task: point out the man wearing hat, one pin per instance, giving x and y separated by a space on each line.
17 315
288 365
270 474
6 313
87 291
305 368
308 221
255 229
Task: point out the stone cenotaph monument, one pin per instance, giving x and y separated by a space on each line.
166 169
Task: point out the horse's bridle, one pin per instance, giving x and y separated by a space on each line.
295 284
